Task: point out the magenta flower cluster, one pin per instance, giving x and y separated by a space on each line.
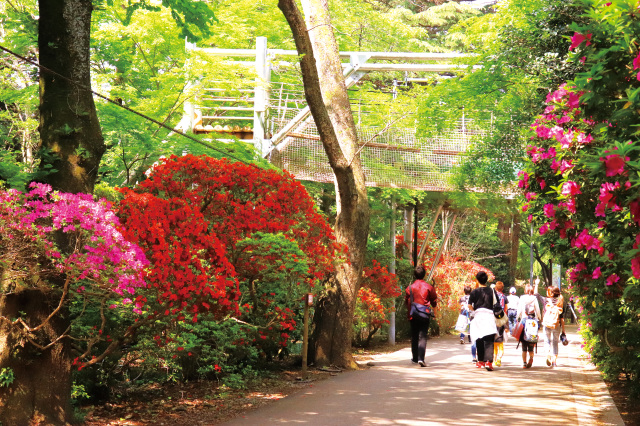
100 258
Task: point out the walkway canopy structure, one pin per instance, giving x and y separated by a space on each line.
274 116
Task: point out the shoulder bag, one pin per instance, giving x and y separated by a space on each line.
498 312
416 310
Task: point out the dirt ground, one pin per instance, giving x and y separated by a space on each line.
629 408
205 403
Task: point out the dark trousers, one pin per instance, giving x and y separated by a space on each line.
485 348
419 333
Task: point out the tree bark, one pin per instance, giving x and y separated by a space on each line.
69 126
41 388
515 245
70 131
326 95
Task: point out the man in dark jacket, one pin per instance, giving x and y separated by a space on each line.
424 295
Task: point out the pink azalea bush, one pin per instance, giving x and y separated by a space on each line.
580 185
51 237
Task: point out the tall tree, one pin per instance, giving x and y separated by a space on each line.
69 125
69 129
70 132
326 95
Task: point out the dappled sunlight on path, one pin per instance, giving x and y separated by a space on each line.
451 391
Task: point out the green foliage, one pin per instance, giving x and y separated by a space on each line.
522 49
6 377
78 393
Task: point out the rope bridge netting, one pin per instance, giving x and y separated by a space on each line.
392 150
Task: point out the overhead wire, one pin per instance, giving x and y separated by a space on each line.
114 102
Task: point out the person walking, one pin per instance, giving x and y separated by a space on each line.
483 327
528 309
462 325
498 346
419 297
553 323
513 301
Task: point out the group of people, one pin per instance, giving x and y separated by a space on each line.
479 309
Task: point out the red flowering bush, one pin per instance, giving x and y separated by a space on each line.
451 276
229 240
376 299
581 183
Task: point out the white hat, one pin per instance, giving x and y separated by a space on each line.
512 290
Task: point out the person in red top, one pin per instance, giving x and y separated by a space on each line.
423 294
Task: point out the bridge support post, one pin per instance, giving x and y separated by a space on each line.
263 77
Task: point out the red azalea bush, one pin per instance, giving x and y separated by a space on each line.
376 299
581 184
229 240
451 276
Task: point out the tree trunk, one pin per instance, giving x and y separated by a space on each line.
408 231
515 245
69 125
70 131
41 388
326 95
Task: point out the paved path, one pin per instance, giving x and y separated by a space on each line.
451 391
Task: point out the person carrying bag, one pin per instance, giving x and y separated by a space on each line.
420 298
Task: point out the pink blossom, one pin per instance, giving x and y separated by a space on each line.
549 210
530 196
574 98
634 209
612 279
530 218
596 273
635 267
543 229
566 165
578 38
614 164
524 182
541 182
525 207
600 210
570 188
584 138
602 224
636 62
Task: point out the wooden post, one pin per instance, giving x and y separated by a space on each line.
308 300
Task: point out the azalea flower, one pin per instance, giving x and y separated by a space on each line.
549 210
578 38
566 165
614 164
570 188
596 273
544 229
635 267
613 278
